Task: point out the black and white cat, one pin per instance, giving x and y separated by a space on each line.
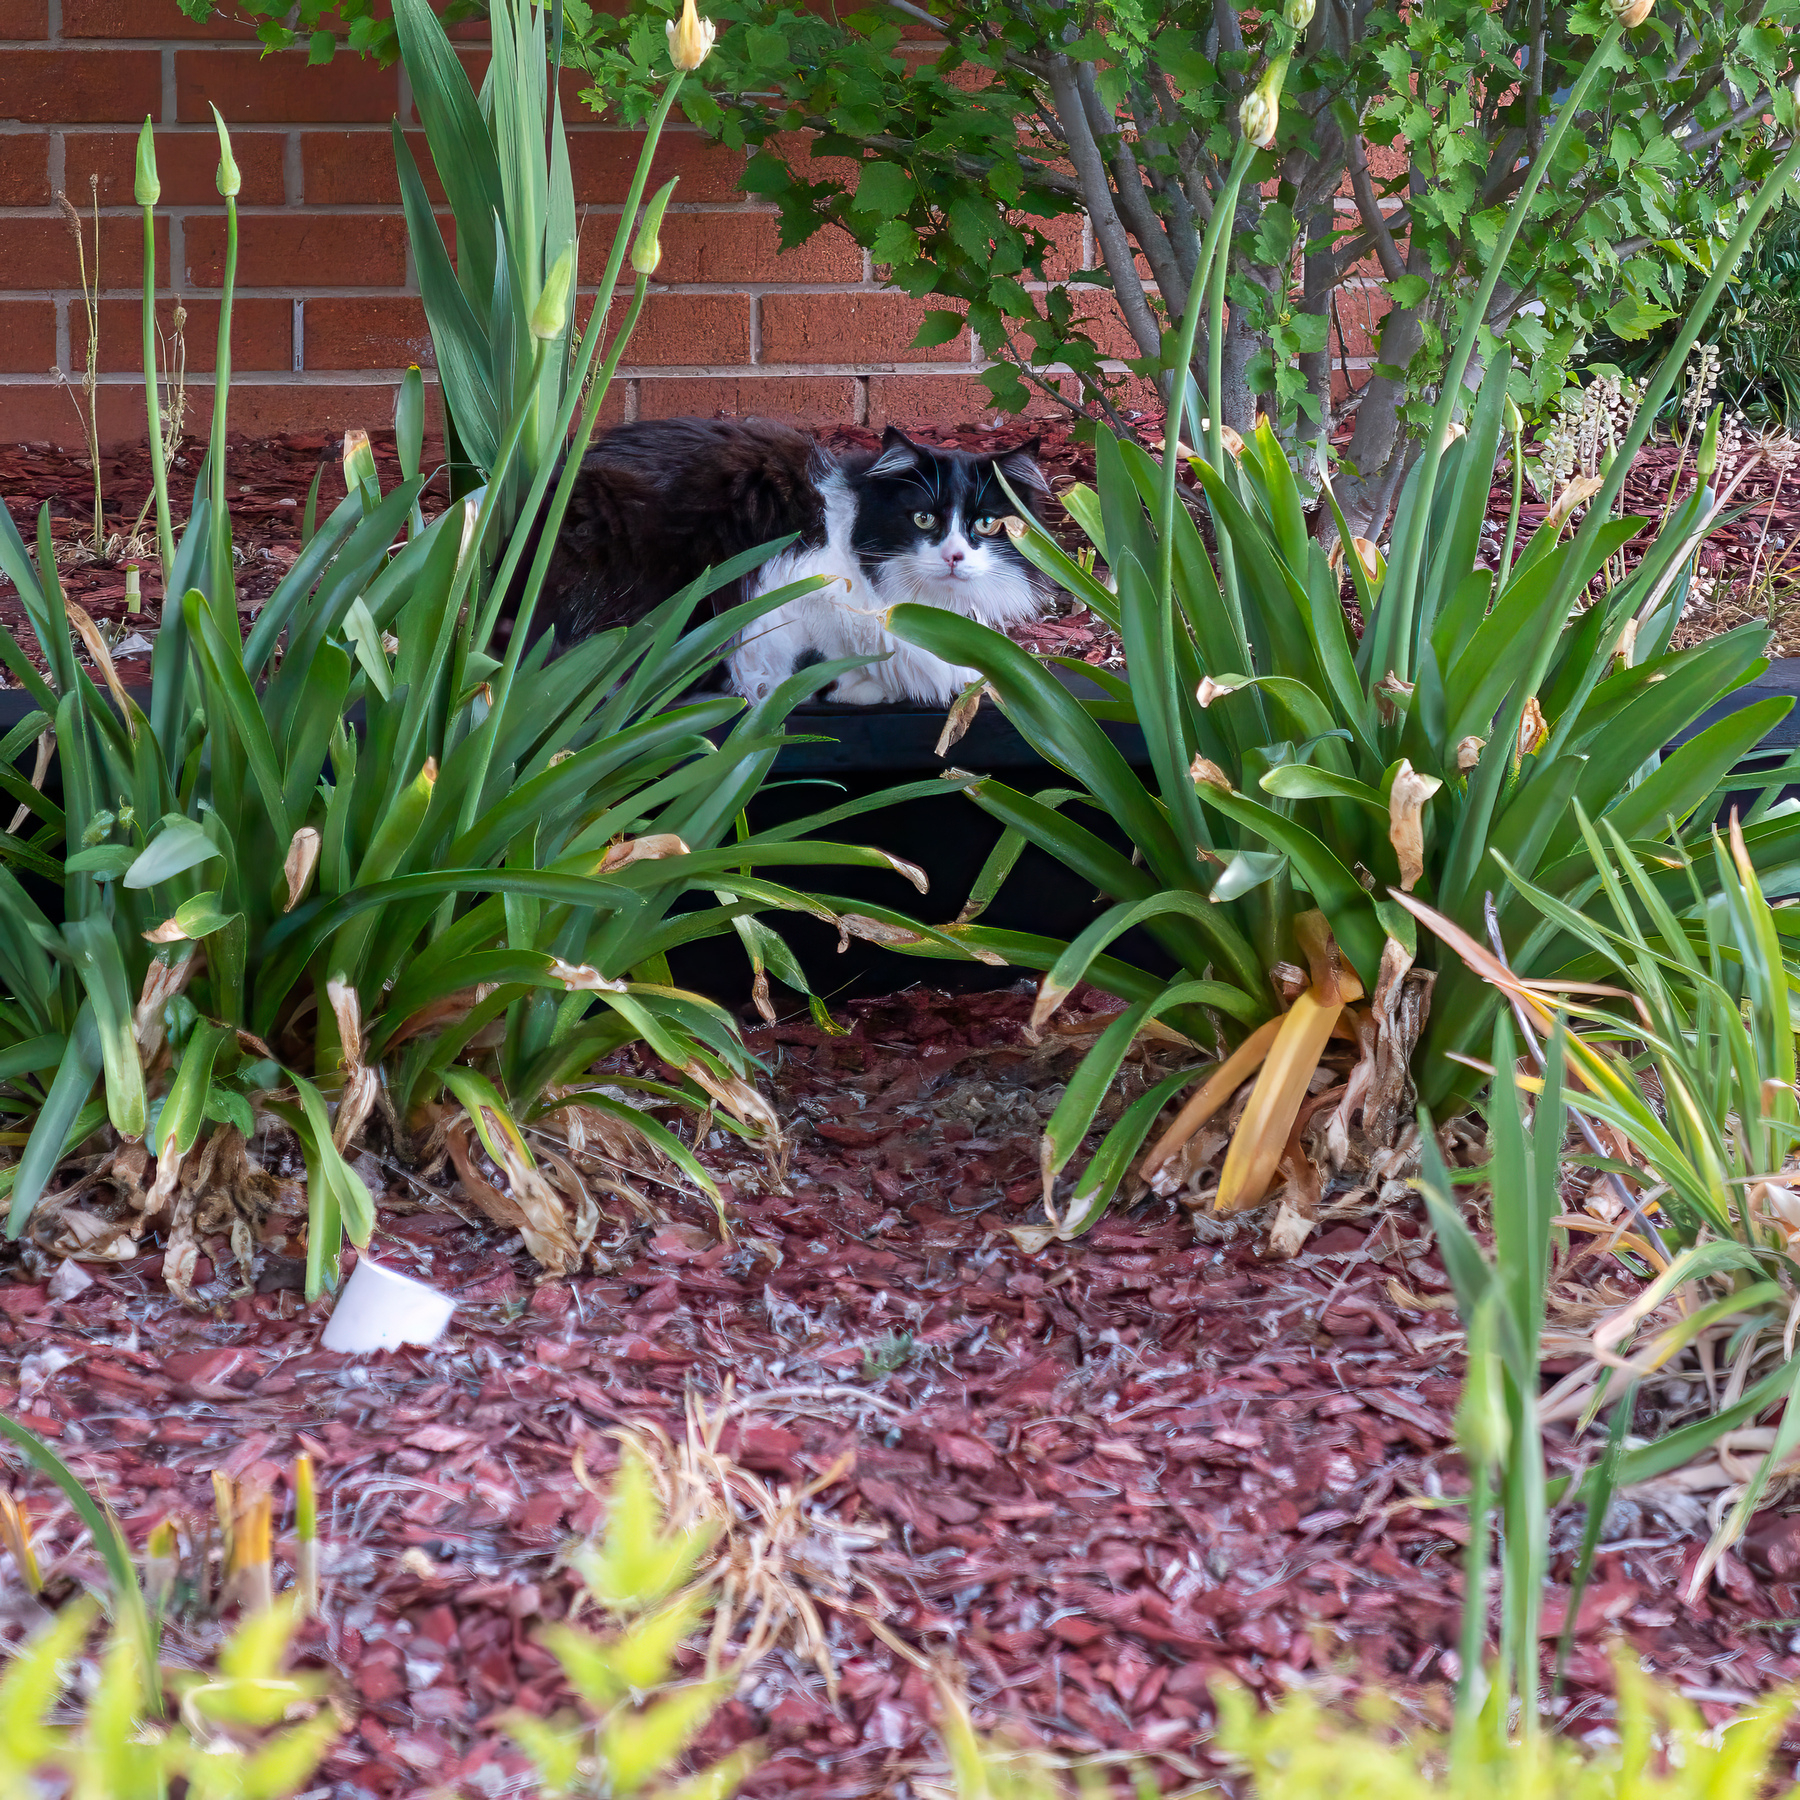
658 501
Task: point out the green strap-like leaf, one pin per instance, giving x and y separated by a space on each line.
51 1133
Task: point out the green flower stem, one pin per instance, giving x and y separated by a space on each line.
489 501
515 648
1396 653
159 473
169 660
1471 1679
496 482
628 219
223 599
1208 284
1217 273
583 362
622 237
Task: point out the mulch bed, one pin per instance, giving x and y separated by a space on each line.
1100 1477
266 487
268 481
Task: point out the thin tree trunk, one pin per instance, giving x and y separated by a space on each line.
1378 445
1242 345
1316 282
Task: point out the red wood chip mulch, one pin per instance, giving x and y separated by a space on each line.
1098 1477
268 482
266 488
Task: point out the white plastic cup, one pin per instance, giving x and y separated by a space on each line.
380 1310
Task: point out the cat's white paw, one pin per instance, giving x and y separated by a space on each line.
858 690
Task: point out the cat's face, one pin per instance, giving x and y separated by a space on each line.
934 522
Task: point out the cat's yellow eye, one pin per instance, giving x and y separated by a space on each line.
988 524
924 521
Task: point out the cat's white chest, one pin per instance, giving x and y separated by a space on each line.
843 619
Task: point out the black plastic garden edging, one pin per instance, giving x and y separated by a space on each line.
858 751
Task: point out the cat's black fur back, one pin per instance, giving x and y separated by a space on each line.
657 502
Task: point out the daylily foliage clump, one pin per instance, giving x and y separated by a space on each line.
355 876
1309 782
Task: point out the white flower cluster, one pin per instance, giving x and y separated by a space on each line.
1703 378
1779 451
1589 426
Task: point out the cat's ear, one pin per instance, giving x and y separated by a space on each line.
898 454
1020 466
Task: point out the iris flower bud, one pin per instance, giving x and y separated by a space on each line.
1708 458
148 189
230 181
646 248
551 313
691 38
1261 110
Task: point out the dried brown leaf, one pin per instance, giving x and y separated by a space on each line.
645 849
1406 820
302 860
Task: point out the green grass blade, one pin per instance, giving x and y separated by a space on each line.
127 1597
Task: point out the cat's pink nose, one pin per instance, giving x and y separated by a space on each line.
953 557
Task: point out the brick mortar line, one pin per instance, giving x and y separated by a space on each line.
293 169
342 127
715 290
17 127
363 209
78 44
56 39
282 378
190 293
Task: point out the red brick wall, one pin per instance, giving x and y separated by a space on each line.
327 315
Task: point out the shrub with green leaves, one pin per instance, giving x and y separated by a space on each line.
1304 779
349 860
1665 1751
645 1577
967 160
232 1734
1131 117
1756 331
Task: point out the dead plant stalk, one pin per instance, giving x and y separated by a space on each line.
90 379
